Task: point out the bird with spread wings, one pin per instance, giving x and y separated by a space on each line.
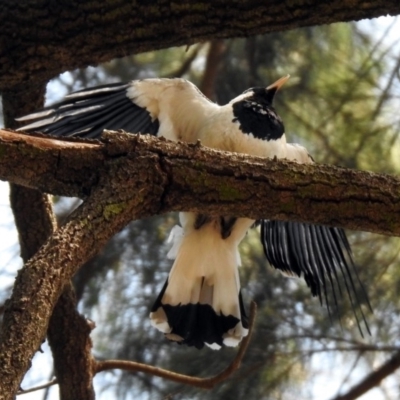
201 301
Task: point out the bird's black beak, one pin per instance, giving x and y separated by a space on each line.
274 87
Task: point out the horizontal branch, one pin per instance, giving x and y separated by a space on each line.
199 179
68 168
41 40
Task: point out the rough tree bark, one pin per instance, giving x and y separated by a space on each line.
74 34
195 178
69 332
40 282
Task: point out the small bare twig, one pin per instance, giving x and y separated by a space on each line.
34 389
205 383
187 63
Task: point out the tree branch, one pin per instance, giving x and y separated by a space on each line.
40 282
372 379
69 338
40 387
138 176
195 178
215 55
33 212
77 34
68 333
205 383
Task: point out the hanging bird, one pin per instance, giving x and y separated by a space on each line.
201 302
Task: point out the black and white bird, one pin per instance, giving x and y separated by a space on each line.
201 301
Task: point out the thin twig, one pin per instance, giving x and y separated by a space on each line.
34 389
351 370
205 383
187 63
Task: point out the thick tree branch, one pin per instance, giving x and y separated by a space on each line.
74 34
69 338
35 160
69 333
41 281
194 178
33 212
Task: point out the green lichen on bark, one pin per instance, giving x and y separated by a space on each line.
110 210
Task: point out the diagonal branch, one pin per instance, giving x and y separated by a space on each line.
41 281
39 387
68 331
373 379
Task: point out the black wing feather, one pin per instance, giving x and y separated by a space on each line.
320 262
88 112
320 254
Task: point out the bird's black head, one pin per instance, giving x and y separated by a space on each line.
255 113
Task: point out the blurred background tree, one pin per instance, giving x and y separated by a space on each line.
341 105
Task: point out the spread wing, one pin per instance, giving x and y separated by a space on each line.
88 112
321 255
